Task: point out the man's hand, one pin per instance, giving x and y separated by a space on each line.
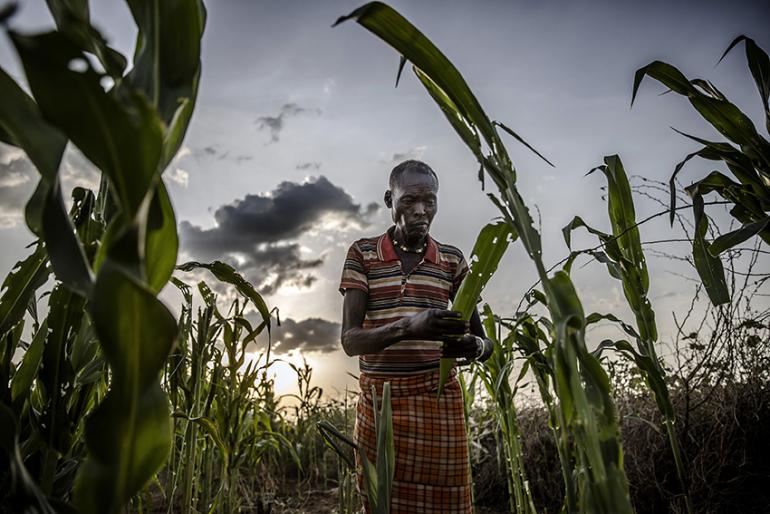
437 325
465 347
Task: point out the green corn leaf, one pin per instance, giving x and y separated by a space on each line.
128 442
167 62
161 240
521 140
408 41
121 136
65 314
595 317
386 457
227 273
464 129
129 433
73 18
721 114
709 267
330 436
666 74
65 251
210 426
736 237
25 127
45 212
23 486
20 285
633 265
759 65
25 375
490 246
738 162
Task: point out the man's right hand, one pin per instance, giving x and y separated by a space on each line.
436 324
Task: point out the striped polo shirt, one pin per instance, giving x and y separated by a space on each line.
373 267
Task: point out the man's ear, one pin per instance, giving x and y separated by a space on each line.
388 199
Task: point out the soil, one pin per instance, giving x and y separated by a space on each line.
325 502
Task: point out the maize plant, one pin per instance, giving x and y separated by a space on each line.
581 383
110 256
623 255
746 155
495 374
222 424
378 476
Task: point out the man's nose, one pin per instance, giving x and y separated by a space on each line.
419 209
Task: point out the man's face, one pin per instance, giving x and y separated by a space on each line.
414 204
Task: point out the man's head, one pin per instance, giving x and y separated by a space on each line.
412 199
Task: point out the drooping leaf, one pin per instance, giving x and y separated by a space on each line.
709 267
759 65
408 41
521 140
227 273
721 114
738 236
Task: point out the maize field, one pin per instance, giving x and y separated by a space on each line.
111 403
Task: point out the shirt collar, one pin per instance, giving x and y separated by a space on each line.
387 252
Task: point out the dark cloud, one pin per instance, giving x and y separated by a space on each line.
275 124
213 151
258 233
315 166
308 335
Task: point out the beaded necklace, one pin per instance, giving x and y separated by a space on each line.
403 247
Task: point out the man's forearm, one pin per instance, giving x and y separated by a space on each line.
359 341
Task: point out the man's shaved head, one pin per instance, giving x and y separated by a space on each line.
413 166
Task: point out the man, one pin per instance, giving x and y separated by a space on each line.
396 288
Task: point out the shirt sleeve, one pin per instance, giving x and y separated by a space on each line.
354 271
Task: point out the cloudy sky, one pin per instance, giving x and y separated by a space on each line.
298 125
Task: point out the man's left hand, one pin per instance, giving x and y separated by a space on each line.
465 347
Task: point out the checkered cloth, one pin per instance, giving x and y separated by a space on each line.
432 471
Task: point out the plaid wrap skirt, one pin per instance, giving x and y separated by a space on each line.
432 472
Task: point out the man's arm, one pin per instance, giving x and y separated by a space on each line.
433 324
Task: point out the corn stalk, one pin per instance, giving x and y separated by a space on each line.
581 383
111 257
495 374
378 476
624 257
